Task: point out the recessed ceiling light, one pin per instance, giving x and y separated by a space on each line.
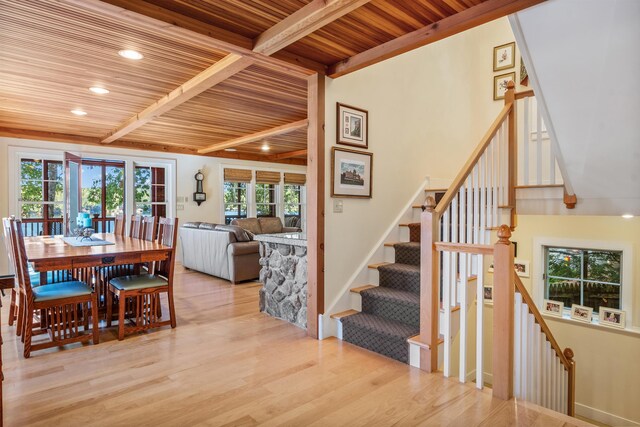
230 149
130 54
627 216
265 147
79 112
99 90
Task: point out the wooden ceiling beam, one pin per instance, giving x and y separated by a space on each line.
303 22
218 72
158 19
135 145
288 154
278 130
469 18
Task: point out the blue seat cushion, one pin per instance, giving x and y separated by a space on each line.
61 290
140 281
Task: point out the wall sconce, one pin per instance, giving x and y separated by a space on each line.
199 196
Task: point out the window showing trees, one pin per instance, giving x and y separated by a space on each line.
235 201
292 204
266 200
589 277
103 192
41 196
150 191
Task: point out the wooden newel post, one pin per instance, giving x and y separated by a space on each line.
429 301
571 395
510 98
503 314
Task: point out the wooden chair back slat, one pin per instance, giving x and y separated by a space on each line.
149 228
135 230
20 256
8 242
119 226
167 235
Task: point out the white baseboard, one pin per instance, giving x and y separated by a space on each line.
602 416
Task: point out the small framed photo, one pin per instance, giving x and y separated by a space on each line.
553 308
522 267
500 84
488 294
351 173
612 317
352 126
581 313
504 56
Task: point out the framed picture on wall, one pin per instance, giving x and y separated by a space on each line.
351 173
504 56
500 84
488 294
352 126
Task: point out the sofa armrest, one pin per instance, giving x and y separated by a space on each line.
243 248
291 229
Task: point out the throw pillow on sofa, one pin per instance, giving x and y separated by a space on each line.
270 225
249 224
239 232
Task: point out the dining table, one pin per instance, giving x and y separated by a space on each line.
53 253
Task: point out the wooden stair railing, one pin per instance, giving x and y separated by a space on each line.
554 377
455 237
470 208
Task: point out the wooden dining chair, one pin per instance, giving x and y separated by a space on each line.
142 292
56 303
119 225
135 229
14 302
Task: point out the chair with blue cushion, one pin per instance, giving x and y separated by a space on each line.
63 307
139 295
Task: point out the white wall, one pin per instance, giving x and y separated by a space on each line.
186 168
585 56
428 109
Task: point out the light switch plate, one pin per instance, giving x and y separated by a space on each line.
337 205
179 207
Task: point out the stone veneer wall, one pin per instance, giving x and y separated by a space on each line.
284 282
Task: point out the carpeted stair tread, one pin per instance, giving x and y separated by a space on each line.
392 304
404 277
392 295
407 253
380 335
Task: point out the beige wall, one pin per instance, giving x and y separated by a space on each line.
428 109
186 168
608 369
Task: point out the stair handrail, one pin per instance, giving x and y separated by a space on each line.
565 356
430 219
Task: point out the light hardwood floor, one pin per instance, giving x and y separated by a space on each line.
228 364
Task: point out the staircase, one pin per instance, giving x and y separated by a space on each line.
390 311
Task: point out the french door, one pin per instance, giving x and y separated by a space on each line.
72 192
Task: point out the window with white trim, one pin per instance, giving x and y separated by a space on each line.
235 201
266 202
150 191
589 277
41 199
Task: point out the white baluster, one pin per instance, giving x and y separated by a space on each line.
482 171
531 357
463 318
480 323
540 352
476 204
496 168
539 147
517 347
489 174
525 351
525 143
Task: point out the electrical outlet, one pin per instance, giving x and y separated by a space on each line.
337 205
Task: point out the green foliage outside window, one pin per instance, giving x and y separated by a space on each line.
584 276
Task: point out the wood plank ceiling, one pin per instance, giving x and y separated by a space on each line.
205 81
